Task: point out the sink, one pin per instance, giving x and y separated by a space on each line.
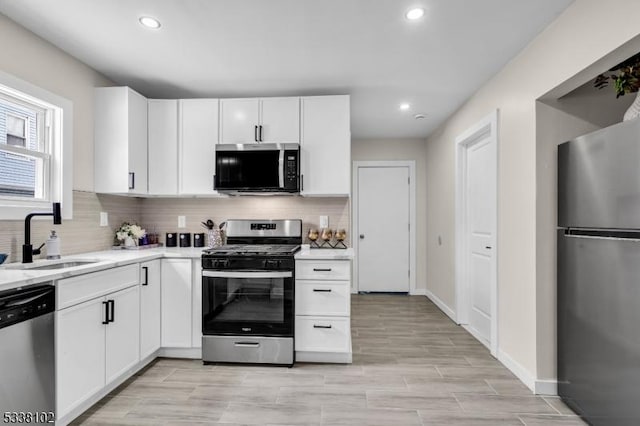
63 265
50 265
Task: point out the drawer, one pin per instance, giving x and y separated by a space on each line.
323 269
322 334
74 290
323 298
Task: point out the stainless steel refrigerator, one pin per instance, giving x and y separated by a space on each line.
599 275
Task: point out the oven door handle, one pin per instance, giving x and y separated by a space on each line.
247 274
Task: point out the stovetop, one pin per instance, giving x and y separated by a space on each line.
253 250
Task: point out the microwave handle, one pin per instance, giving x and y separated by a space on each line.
281 169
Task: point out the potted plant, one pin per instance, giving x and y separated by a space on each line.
626 79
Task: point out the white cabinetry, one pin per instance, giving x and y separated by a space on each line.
176 303
198 138
325 146
323 308
120 141
260 120
196 303
97 333
149 308
163 146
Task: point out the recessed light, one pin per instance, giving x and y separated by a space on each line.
420 116
149 22
414 14
404 107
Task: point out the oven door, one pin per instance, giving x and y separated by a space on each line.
252 303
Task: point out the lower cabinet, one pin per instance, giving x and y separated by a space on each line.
149 308
323 307
176 303
97 341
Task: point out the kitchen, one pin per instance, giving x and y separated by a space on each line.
525 328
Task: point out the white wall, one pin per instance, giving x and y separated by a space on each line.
30 58
582 35
403 149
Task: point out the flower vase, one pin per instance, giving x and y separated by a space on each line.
129 242
634 109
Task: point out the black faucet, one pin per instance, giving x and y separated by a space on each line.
27 248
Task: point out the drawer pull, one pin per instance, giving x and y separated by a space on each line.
247 344
322 290
322 269
321 326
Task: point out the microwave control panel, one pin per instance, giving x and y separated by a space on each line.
291 169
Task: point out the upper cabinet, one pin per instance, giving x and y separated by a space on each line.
198 138
163 147
253 120
325 146
120 141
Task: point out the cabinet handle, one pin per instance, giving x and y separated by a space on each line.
321 269
213 183
322 290
112 303
146 275
247 344
260 134
321 326
301 182
132 180
255 133
106 312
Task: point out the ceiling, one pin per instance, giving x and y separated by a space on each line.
248 48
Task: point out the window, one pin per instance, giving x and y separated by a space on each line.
35 143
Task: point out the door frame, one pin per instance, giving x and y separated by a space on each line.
411 165
486 127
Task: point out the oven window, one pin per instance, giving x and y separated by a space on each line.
251 299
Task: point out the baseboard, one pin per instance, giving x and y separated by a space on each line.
440 304
189 353
419 292
546 387
517 369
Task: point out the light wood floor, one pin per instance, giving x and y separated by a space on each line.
411 366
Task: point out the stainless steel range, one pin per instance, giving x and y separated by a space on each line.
247 293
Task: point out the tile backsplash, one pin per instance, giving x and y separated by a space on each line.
83 233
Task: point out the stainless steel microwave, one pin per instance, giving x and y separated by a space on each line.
258 168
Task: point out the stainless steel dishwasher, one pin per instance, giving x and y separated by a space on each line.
27 362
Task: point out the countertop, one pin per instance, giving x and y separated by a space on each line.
325 254
12 277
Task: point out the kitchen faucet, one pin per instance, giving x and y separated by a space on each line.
27 249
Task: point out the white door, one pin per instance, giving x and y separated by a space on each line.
176 303
239 119
280 120
137 127
383 228
199 136
163 147
149 308
80 353
480 214
122 333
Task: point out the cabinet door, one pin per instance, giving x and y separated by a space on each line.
280 120
196 321
199 136
137 143
325 146
80 353
176 303
149 308
238 120
123 333
163 147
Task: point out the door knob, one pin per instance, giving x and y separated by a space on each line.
362 236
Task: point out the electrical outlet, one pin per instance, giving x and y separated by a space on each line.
182 221
104 219
324 221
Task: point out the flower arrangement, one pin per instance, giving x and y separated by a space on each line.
625 77
127 230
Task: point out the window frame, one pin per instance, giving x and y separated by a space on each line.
57 128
